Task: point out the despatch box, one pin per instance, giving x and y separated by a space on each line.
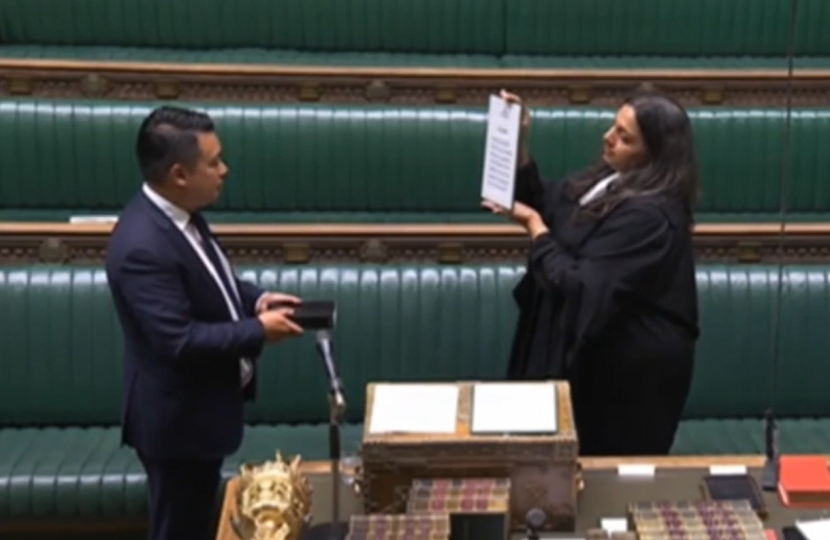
541 466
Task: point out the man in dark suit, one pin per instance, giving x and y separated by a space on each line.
192 330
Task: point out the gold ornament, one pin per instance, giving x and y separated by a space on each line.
273 501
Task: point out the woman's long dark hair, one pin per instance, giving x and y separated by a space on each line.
671 167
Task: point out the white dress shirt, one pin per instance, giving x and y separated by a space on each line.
598 190
181 218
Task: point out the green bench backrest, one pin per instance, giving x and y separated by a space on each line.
737 309
446 26
62 345
545 27
287 160
650 27
62 364
61 348
803 375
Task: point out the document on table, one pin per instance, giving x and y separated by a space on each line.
521 407
414 408
501 152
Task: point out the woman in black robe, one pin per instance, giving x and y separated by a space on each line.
609 298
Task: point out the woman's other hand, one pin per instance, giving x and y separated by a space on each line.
522 214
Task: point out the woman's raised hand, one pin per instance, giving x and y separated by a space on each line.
524 154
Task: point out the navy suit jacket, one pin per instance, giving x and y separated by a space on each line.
182 395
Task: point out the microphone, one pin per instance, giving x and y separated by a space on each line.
535 520
337 408
326 350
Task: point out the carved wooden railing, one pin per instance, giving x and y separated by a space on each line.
253 82
379 243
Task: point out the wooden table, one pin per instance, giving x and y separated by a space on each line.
606 494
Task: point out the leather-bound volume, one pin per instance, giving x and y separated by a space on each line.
804 481
735 487
314 314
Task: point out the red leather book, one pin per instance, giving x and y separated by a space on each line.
804 481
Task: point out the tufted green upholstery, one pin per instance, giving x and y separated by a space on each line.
449 26
62 324
75 472
61 365
649 27
318 163
385 312
487 33
737 307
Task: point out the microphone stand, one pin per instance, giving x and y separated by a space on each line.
769 481
337 409
769 476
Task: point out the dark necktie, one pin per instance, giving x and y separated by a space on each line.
210 249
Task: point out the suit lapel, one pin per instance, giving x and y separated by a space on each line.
217 258
182 246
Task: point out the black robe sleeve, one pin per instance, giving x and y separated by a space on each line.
624 255
530 189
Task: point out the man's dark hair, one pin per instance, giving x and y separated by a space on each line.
168 136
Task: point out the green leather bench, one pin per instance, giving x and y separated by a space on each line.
59 394
734 34
374 163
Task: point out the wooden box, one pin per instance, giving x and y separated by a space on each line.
542 468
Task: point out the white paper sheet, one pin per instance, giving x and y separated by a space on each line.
93 219
814 529
501 152
612 525
414 408
514 408
639 470
727 470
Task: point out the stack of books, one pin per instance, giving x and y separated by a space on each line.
696 520
478 508
443 509
452 495
399 527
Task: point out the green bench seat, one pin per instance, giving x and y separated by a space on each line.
727 34
60 392
383 163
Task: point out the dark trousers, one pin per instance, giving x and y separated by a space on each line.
183 495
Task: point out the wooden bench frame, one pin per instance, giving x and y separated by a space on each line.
26 243
255 82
